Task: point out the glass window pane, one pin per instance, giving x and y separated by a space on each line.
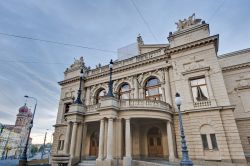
125 96
194 82
101 93
152 82
214 142
201 81
124 88
151 142
204 141
153 91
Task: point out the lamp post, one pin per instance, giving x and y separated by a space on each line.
44 143
110 92
185 158
23 158
78 99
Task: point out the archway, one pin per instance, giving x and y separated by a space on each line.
154 138
94 144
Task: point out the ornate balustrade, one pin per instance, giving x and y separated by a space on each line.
93 108
144 104
202 104
126 104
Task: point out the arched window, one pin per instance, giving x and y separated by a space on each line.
124 91
100 94
152 89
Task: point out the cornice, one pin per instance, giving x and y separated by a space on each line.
219 108
68 81
236 67
211 39
164 56
196 70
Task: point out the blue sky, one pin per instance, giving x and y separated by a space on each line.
34 68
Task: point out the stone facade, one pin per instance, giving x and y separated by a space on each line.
141 121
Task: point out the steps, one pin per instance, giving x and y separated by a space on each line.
87 163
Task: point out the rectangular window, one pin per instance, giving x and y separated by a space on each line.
199 89
60 144
66 107
248 138
204 141
214 142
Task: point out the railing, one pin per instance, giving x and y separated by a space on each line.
144 104
136 104
128 61
93 108
199 104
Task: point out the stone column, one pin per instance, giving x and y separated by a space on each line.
136 94
170 142
73 140
67 138
167 88
101 140
87 99
127 159
110 139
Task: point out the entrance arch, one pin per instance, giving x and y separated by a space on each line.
94 144
154 138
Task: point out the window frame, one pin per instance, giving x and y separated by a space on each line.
120 93
98 97
214 144
204 144
147 88
191 87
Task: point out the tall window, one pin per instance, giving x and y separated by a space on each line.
152 89
66 107
100 94
199 89
124 91
214 141
204 141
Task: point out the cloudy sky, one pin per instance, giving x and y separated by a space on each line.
34 67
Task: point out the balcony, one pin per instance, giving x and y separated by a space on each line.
135 104
202 104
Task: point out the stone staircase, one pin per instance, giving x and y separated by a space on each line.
87 163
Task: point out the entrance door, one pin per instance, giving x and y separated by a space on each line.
155 143
94 144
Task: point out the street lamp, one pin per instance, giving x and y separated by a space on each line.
23 159
44 143
185 158
110 92
78 99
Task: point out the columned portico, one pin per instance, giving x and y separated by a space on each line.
101 141
110 140
127 159
73 140
67 138
170 142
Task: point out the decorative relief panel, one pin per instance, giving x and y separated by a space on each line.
243 83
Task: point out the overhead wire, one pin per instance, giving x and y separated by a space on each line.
216 10
56 42
143 19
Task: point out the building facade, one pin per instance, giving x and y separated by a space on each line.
13 137
141 121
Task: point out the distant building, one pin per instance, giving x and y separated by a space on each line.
13 137
141 122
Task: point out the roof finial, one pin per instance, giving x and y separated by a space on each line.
139 39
